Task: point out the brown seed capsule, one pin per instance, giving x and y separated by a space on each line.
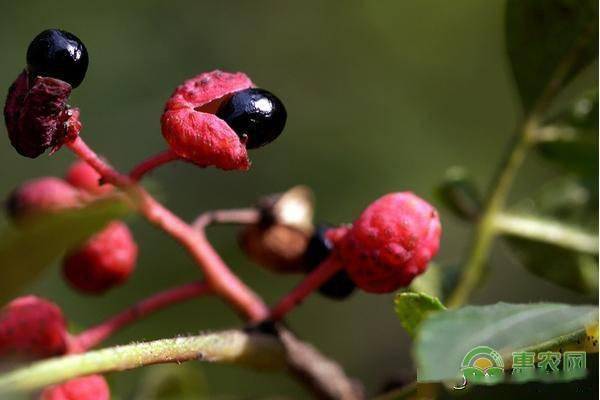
279 240
278 247
294 208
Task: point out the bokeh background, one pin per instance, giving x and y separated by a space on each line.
381 96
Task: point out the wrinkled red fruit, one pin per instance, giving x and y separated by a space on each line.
31 327
194 132
82 176
391 242
37 116
41 196
105 260
92 387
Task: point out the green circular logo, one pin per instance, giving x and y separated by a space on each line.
482 364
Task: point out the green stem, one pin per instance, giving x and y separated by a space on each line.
231 346
523 140
546 231
553 133
485 232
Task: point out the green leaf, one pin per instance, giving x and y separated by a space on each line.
27 249
412 308
571 139
571 202
547 231
548 38
444 339
459 194
563 267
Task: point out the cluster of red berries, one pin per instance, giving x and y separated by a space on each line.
31 327
106 259
210 120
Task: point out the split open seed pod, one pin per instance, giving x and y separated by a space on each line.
278 241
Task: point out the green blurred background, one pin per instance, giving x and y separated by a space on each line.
381 96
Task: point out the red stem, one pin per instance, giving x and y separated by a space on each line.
151 163
310 283
108 173
97 334
220 278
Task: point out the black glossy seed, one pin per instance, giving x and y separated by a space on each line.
339 286
254 114
318 249
58 54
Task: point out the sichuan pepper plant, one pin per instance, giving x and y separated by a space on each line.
213 120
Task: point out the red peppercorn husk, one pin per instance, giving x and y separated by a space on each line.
192 130
72 127
83 176
105 260
41 196
31 328
391 242
37 115
91 387
13 105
